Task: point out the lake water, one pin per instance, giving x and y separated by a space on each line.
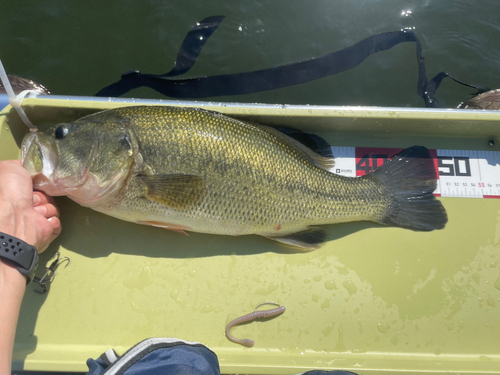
76 48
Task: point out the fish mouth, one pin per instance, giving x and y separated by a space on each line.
40 160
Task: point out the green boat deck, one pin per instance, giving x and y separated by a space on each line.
373 300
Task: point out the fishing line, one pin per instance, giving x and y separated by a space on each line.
17 101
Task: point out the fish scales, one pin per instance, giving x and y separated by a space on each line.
197 170
255 182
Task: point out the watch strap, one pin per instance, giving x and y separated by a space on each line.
21 255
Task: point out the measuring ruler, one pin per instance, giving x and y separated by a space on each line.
460 173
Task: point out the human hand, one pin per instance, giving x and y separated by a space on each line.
27 215
33 218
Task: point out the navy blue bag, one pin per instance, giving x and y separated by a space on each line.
162 356
158 356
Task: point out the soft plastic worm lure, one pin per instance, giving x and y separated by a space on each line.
257 314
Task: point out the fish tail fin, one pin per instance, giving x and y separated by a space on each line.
410 179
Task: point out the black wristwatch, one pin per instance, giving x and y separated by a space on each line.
21 255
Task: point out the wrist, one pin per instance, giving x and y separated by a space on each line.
11 278
14 221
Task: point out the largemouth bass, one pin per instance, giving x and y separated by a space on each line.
189 169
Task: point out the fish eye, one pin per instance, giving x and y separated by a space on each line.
61 132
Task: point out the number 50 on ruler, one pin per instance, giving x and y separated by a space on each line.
461 173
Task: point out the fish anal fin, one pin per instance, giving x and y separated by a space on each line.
310 239
178 191
173 227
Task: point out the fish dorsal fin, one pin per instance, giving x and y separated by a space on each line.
178 191
318 160
316 143
291 136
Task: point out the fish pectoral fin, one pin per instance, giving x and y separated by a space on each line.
310 239
173 227
178 191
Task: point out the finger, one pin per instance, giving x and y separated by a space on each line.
56 227
47 210
16 162
41 198
51 228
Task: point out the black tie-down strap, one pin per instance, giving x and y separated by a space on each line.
267 79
